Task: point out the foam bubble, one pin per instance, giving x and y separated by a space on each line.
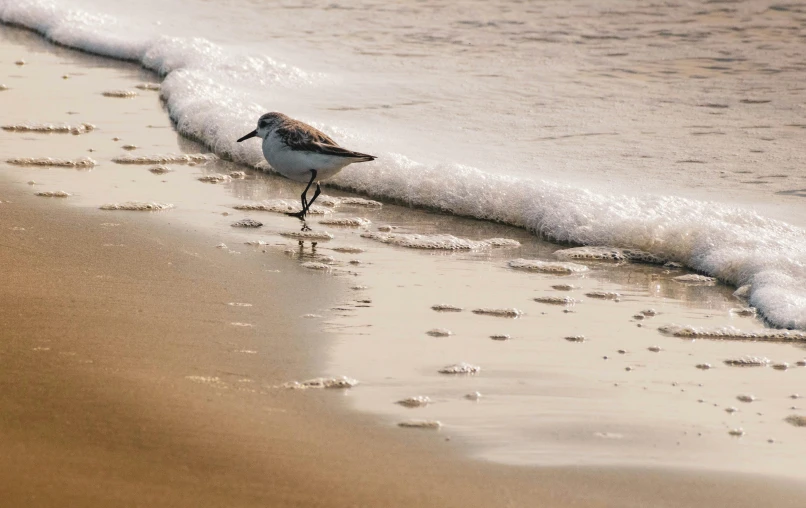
608 254
796 420
743 292
308 235
339 382
693 278
436 242
444 307
500 336
421 424
460 368
148 86
604 295
50 128
745 398
564 287
138 206
207 380
417 401
120 94
280 206
354 222
748 361
439 332
551 267
215 178
84 162
160 170
738 432
507 313
575 338
54 194
247 223
473 396
703 366
744 311
239 304
130 147
353 201
349 249
731 333
237 175
170 158
313 265
556 300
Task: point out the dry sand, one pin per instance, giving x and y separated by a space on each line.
127 379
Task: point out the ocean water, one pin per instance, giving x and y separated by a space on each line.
674 128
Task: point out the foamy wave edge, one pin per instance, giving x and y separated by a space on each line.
737 246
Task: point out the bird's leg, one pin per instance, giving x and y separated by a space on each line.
315 194
301 214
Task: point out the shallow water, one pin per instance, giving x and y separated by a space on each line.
470 106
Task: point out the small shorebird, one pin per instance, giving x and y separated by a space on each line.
302 153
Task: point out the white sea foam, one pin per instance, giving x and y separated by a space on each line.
693 278
54 194
120 94
507 313
247 223
421 424
340 382
556 300
49 127
534 265
732 333
609 254
603 295
353 222
308 235
437 242
736 246
280 206
215 178
139 206
416 401
171 158
85 162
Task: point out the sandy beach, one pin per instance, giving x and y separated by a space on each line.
147 355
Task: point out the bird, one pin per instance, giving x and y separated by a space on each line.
302 153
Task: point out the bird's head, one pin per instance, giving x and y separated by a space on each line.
265 125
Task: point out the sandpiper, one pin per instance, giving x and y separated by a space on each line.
302 153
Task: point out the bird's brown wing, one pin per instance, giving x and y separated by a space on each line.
303 137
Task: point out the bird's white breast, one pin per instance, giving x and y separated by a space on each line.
297 164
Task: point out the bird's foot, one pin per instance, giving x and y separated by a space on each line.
299 215
305 227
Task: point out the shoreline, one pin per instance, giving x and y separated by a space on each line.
117 420
159 402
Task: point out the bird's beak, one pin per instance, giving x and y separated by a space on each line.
250 135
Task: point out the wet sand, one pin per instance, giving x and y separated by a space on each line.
128 379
